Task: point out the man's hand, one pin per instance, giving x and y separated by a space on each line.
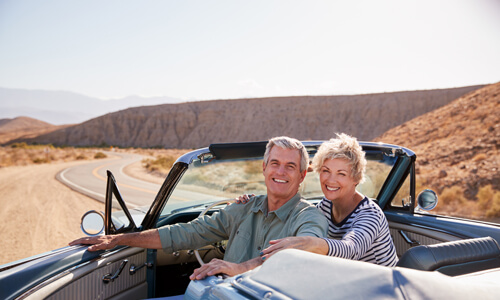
217 266
101 242
146 239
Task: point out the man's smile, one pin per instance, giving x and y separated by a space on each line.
279 180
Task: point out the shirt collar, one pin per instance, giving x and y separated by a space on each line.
282 213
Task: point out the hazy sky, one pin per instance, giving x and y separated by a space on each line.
232 49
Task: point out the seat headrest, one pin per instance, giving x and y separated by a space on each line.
432 257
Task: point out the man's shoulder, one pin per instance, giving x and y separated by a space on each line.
305 207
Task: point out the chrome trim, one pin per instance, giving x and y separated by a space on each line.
408 240
39 256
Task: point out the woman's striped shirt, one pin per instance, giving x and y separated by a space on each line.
363 235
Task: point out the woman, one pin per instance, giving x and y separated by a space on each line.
358 228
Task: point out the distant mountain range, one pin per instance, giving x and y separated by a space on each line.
59 107
196 124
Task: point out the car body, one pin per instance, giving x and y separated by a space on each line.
224 171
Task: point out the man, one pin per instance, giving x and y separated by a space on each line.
248 228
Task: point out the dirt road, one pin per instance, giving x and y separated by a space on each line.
38 213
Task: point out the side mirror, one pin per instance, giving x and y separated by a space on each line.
427 200
92 223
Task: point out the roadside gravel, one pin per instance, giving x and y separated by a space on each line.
38 212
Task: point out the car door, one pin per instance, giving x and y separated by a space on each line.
75 273
411 226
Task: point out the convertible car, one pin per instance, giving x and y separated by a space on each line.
440 257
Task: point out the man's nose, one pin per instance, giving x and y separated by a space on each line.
281 169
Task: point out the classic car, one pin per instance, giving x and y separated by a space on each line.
439 256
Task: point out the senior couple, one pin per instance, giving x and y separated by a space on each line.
344 224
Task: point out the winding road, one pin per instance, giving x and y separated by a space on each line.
90 179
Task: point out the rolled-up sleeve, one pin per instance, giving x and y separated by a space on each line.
195 234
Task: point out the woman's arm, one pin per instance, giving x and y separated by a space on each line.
306 243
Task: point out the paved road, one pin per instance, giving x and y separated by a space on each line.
90 179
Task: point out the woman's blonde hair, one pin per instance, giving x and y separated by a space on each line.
345 147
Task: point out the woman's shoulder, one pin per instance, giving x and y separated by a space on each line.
369 206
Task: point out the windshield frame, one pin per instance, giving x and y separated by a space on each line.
405 159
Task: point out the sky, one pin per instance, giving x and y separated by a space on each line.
204 50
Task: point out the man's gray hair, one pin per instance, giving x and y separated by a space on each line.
288 143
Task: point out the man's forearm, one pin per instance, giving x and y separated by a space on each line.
147 239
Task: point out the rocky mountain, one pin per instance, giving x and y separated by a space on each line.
195 124
457 144
23 127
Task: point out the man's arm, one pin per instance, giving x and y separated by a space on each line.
217 266
147 239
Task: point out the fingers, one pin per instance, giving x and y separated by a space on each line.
276 246
212 268
272 242
243 199
97 243
84 241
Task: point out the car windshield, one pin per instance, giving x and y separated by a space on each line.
227 179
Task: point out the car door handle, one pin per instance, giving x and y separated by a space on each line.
133 269
111 277
408 240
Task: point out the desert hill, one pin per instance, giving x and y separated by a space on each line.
195 124
23 127
457 144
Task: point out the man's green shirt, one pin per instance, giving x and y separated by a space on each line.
247 227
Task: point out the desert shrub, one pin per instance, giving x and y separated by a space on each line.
39 160
22 145
80 157
489 201
254 167
452 195
479 157
161 164
494 210
99 155
485 197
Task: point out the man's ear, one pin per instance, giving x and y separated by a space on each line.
263 166
303 175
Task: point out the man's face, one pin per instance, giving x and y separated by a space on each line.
282 173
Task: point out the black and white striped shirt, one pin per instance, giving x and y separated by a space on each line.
363 235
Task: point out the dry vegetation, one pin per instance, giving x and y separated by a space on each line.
457 149
161 160
21 154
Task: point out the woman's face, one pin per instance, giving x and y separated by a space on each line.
336 179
